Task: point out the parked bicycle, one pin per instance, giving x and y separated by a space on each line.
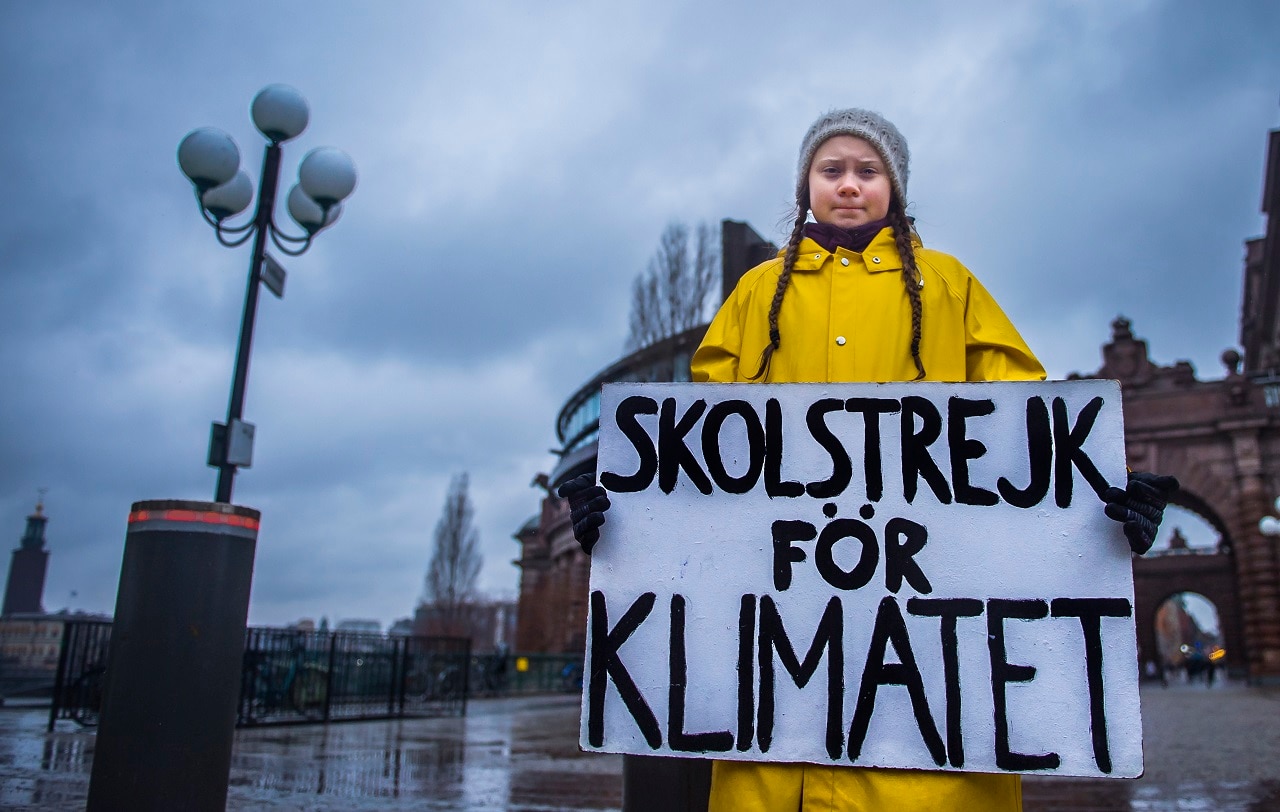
285 684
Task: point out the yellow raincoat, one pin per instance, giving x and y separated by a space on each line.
846 318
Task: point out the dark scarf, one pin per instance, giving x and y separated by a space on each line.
852 239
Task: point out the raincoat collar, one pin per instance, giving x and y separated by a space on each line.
881 254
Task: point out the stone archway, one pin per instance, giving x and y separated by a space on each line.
1211 574
1222 440
1188 635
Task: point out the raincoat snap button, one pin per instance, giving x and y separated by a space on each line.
876 260
817 256
844 261
840 340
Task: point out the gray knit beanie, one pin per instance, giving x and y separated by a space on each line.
868 125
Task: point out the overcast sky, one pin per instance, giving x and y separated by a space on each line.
517 164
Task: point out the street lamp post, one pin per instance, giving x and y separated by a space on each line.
211 161
173 674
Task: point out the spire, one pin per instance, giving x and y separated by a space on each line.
1121 329
33 537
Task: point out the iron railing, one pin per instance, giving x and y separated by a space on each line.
82 662
543 673
291 676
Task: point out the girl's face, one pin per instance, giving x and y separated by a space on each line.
848 183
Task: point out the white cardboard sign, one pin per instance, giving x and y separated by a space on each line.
895 575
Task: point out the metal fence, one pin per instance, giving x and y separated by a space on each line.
543 673
291 676
435 678
82 662
295 677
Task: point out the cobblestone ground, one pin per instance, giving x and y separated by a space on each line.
1214 749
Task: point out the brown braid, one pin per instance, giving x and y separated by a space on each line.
911 277
784 278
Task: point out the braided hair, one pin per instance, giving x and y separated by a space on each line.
912 280
784 279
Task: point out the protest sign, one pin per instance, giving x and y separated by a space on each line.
896 575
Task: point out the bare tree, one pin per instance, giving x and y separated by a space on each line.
670 296
455 561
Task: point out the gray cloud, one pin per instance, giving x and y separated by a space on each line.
516 167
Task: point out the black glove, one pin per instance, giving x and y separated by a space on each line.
1140 506
587 504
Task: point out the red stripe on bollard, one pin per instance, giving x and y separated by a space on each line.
194 517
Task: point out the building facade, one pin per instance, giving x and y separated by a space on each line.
30 643
491 624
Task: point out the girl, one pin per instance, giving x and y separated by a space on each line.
856 297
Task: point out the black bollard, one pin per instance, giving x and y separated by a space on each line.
172 682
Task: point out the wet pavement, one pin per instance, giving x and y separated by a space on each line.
1215 749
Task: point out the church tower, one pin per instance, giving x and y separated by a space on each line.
24 592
